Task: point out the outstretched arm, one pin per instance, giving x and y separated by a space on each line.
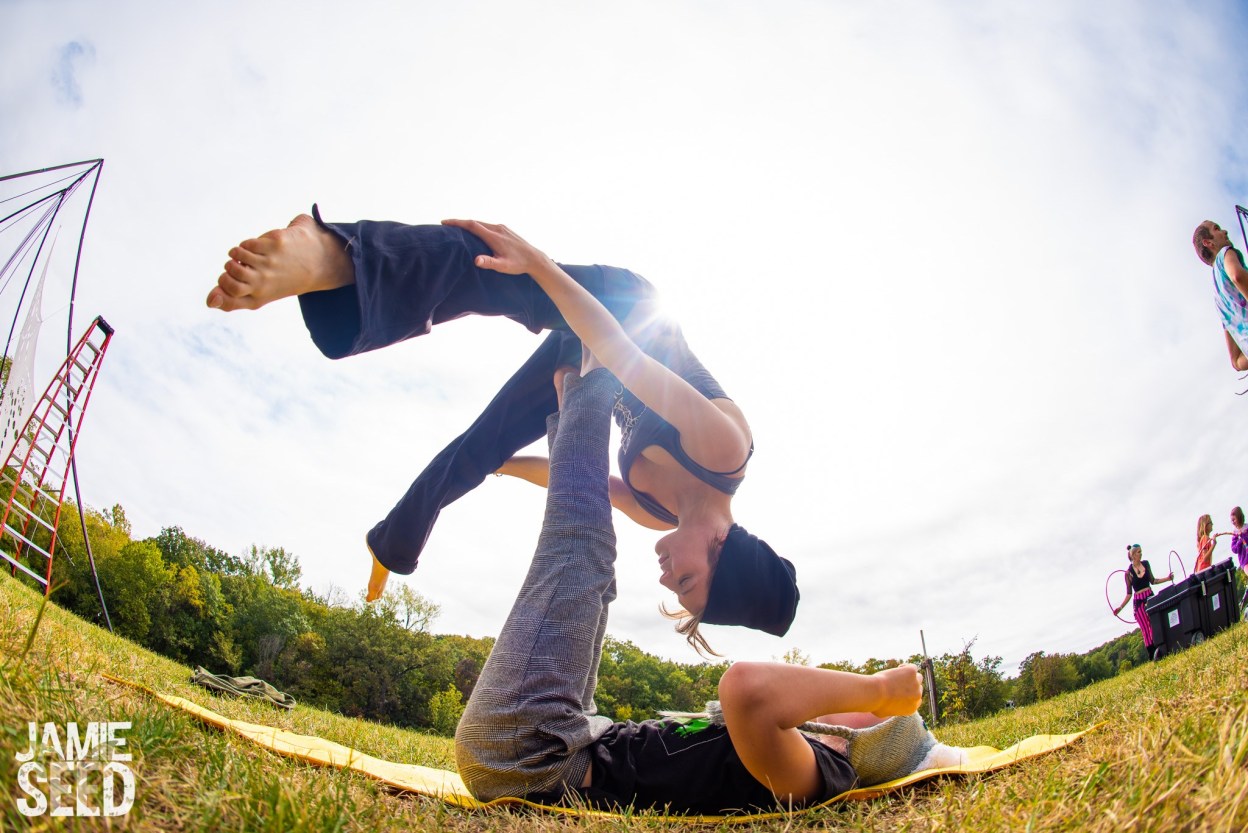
1235 269
710 436
1127 598
1124 602
536 470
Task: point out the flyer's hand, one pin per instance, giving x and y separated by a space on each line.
513 255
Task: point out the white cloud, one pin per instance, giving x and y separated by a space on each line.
65 73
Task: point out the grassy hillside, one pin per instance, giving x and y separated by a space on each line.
1171 757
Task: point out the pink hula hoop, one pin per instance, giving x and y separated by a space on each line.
1111 604
1170 564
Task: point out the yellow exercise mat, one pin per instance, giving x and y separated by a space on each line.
448 787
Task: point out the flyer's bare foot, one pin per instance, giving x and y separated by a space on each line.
376 580
303 257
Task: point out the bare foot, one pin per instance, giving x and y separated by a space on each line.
376 580
303 257
901 691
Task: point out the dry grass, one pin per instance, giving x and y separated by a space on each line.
1171 756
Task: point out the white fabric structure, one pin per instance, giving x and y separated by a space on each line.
18 399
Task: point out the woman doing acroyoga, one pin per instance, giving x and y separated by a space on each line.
531 729
684 446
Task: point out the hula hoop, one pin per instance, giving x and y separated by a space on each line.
1170 564
1111 604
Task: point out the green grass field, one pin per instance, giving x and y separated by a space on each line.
1170 757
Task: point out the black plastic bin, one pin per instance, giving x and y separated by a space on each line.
1221 602
1190 611
1175 614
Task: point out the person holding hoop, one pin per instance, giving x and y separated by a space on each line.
1239 546
1140 583
1205 543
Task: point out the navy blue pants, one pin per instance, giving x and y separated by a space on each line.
410 278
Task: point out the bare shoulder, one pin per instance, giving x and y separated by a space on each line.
734 412
1234 261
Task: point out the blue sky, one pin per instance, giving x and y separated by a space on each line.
938 252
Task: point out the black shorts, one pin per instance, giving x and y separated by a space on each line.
664 765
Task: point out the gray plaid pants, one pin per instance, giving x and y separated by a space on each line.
531 716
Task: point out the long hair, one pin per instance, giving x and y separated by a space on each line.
687 626
687 622
1200 527
1200 237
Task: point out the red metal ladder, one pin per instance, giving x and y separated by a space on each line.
32 481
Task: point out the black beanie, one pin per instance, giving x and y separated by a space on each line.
752 586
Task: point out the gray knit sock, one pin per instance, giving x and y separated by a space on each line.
889 750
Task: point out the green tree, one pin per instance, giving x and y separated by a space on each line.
634 685
466 657
134 582
407 608
265 617
73 587
194 623
968 689
304 669
445 709
279 567
1041 676
841 665
873 665
794 656
178 548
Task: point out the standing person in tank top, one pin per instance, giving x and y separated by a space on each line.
1230 286
366 285
1206 541
1140 583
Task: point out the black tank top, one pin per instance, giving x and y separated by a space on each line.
1138 583
641 427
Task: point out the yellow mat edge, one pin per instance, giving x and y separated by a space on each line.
459 796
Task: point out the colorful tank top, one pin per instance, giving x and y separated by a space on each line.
1230 302
1204 554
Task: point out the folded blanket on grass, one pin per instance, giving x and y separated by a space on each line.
243 687
447 786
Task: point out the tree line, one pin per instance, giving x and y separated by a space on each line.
969 688
247 614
